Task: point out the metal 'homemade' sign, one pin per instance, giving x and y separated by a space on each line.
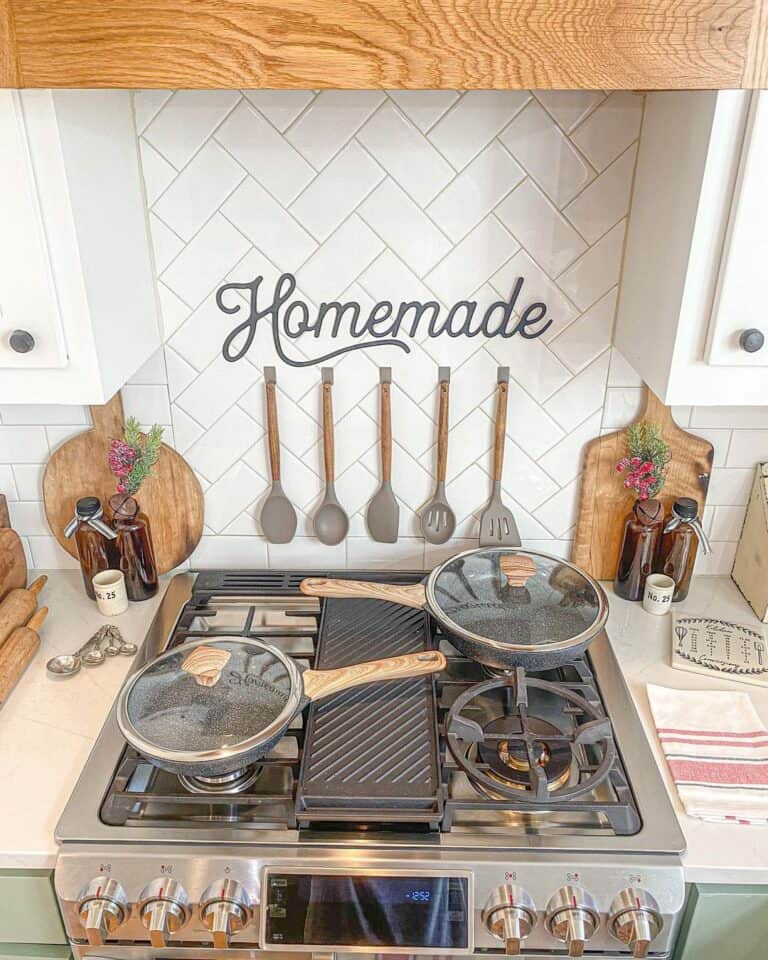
386 323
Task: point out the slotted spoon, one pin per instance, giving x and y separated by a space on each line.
497 524
437 519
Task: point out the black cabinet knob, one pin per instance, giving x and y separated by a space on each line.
22 341
751 340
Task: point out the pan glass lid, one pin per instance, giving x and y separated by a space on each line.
173 706
515 598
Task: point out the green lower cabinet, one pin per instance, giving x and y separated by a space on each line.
30 924
724 922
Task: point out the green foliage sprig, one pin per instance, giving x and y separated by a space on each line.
646 465
132 458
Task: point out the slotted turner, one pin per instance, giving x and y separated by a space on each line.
437 519
497 525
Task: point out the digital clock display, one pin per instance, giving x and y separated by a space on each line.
347 911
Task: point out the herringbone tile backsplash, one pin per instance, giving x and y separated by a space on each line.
369 196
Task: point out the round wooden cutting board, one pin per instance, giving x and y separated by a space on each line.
605 503
171 498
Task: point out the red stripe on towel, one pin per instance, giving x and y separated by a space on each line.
709 771
715 733
713 742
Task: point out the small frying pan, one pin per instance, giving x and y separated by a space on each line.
503 607
212 707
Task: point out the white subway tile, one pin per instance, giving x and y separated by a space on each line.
23 444
475 191
330 121
406 554
474 121
280 107
8 481
540 228
720 440
29 481
622 406
48 554
586 338
718 563
559 513
604 201
232 492
216 389
173 311
148 404
621 373
730 417
337 190
268 225
539 146
152 372
424 107
569 107
525 479
404 227
180 373
581 396
199 190
537 287
480 254
158 173
205 259
147 104
28 518
42 413
340 260
238 553
611 128
729 487
264 153
186 121
59 434
223 444
748 448
564 461
185 430
594 273
405 153
726 523
307 553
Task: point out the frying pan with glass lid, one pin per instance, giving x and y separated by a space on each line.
505 608
208 708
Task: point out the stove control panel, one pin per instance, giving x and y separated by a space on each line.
163 909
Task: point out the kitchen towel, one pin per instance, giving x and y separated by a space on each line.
716 748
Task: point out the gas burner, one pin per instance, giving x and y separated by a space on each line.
236 782
508 760
508 753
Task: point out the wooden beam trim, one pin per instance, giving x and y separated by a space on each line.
10 75
755 76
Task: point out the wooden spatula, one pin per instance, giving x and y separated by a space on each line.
171 498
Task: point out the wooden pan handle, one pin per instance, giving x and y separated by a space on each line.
518 568
408 595
322 683
273 433
500 431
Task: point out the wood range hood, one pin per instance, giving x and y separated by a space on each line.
407 44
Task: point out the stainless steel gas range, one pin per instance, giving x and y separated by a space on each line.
469 813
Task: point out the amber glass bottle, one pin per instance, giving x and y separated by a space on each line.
677 553
134 547
94 540
639 546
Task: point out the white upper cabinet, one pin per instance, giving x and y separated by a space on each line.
692 315
78 312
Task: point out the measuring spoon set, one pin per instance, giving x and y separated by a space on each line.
437 519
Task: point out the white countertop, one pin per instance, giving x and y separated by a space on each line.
47 727
717 852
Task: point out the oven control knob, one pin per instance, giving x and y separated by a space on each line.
635 919
572 918
102 905
163 909
225 909
510 915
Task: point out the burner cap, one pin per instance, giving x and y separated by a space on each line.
508 760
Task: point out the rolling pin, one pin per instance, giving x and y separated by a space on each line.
17 651
18 607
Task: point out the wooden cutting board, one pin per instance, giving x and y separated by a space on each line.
171 498
604 501
13 563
